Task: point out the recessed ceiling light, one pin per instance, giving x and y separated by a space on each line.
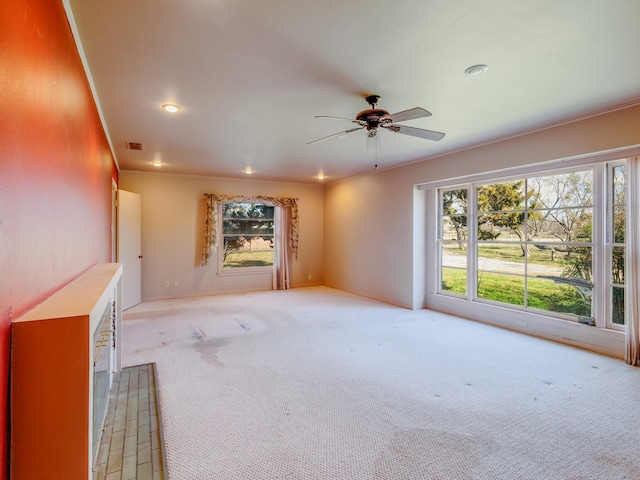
157 163
248 171
320 176
476 69
171 108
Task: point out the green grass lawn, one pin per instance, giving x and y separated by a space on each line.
262 258
542 294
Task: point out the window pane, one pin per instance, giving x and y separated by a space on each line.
543 263
618 224
566 225
617 311
577 263
617 265
247 252
454 267
545 254
247 226
618 185
562 295
454 202
454 254
502 226
454 280
247 230
501 258
617 237
453 233
247 210
501 288
501 197
454 227
563 190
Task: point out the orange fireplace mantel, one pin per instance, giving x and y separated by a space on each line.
52 360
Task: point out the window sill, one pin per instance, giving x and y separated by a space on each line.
231 272
601 340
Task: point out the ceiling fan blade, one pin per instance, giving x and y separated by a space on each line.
329 117
410 114
415 132
346 132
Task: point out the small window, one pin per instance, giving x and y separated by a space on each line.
247 236
452 242
617 243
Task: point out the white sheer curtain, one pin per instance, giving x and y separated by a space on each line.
632 263
282 252
285 241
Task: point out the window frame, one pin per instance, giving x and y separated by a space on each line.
254 270
601 301
610 243
440 242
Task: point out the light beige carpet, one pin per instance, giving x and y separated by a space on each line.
314 383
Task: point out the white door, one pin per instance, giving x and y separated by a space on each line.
114 221
130 246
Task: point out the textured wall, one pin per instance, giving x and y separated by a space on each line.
55 169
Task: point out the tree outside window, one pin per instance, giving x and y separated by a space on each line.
247 233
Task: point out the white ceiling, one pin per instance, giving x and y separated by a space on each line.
251 74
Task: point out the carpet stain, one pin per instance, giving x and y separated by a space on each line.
208 350
620 464
433 454
243 326
198 333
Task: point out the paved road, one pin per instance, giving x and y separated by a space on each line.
497 265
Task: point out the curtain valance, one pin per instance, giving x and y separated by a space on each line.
211 233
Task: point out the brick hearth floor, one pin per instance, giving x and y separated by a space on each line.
131 443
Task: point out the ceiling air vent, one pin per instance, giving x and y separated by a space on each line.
134 146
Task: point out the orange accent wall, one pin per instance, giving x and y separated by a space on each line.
55 170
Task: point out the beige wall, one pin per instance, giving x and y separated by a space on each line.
173 212
368 236
373 222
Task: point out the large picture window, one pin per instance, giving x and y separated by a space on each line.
538 242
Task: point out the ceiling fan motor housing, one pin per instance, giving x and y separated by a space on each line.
373 117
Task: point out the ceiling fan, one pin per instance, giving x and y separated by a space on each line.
374 118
